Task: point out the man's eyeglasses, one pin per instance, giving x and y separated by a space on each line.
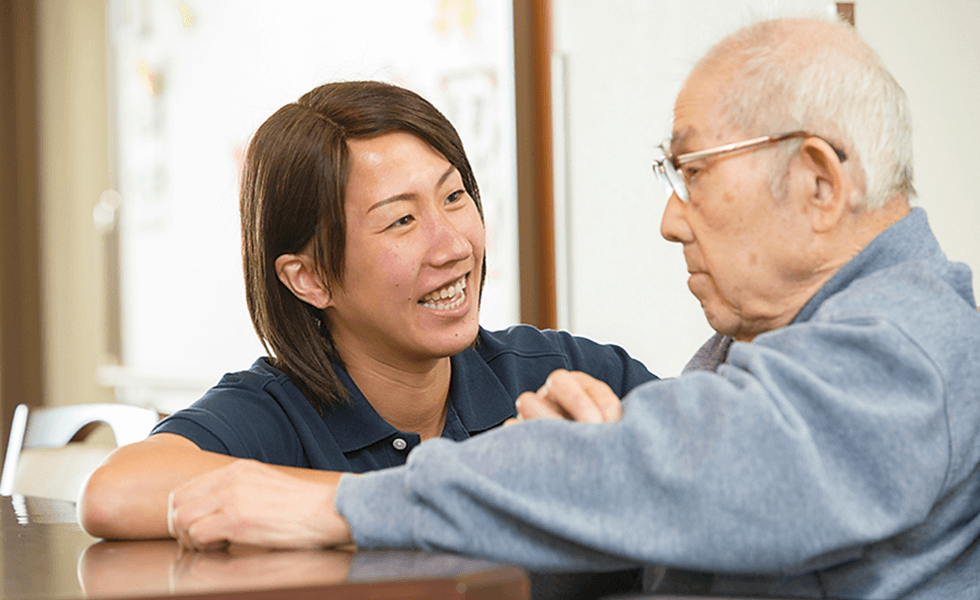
667 167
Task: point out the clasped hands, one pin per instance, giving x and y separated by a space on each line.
248 502
571 395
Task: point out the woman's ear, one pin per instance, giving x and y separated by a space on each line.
297 272
828 185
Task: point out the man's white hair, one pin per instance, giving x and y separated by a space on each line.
825 80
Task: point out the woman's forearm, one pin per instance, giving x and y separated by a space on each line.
127 497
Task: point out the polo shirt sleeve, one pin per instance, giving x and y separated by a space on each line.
242 416
606 362
522 357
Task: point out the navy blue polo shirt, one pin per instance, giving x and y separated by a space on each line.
260 414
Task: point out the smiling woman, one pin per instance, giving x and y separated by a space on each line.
417 243
363 247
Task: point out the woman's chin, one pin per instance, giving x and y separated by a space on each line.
457 339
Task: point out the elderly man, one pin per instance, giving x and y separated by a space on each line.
826 443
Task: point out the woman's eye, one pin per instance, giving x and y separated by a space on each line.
403 221
455 196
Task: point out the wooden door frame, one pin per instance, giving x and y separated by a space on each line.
535 162
21 374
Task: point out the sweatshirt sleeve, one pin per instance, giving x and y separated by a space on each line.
806 445
361 498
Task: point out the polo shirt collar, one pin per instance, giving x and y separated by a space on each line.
476 394
355 424
481 400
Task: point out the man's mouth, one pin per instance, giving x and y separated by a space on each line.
447 297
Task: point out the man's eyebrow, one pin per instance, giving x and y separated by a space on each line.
679 141
409 196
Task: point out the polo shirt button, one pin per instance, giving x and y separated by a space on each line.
399 444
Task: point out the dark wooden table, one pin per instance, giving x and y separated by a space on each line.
46 556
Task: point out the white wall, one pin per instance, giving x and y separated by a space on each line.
933 49
624 63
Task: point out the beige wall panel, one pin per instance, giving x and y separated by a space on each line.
74 170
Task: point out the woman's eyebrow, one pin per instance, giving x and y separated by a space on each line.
409 196
446 175
386 201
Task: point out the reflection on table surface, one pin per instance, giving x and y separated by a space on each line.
46 555
159 568
114 569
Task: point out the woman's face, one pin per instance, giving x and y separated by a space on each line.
415 245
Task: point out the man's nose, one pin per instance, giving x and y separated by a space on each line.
673 225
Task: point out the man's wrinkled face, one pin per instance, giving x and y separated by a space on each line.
742 246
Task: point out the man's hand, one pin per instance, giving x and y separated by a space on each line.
570 395
252 503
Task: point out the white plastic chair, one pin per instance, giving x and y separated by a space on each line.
56 427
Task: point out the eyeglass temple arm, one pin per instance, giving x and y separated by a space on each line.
759 141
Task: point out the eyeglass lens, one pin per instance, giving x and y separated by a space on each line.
668 175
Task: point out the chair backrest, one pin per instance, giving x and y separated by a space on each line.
56 427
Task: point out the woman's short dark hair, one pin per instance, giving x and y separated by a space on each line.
292 193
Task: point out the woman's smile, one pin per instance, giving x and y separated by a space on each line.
447 297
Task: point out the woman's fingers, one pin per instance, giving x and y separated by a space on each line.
251 503
571 395
534 405
598 393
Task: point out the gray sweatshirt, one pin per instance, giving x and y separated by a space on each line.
836 457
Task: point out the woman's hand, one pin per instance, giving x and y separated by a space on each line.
252 503
570 395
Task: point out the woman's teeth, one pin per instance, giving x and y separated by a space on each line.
453 293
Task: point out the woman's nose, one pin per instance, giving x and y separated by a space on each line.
674 226
449 243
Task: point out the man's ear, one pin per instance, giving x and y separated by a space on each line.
297 272
827 184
